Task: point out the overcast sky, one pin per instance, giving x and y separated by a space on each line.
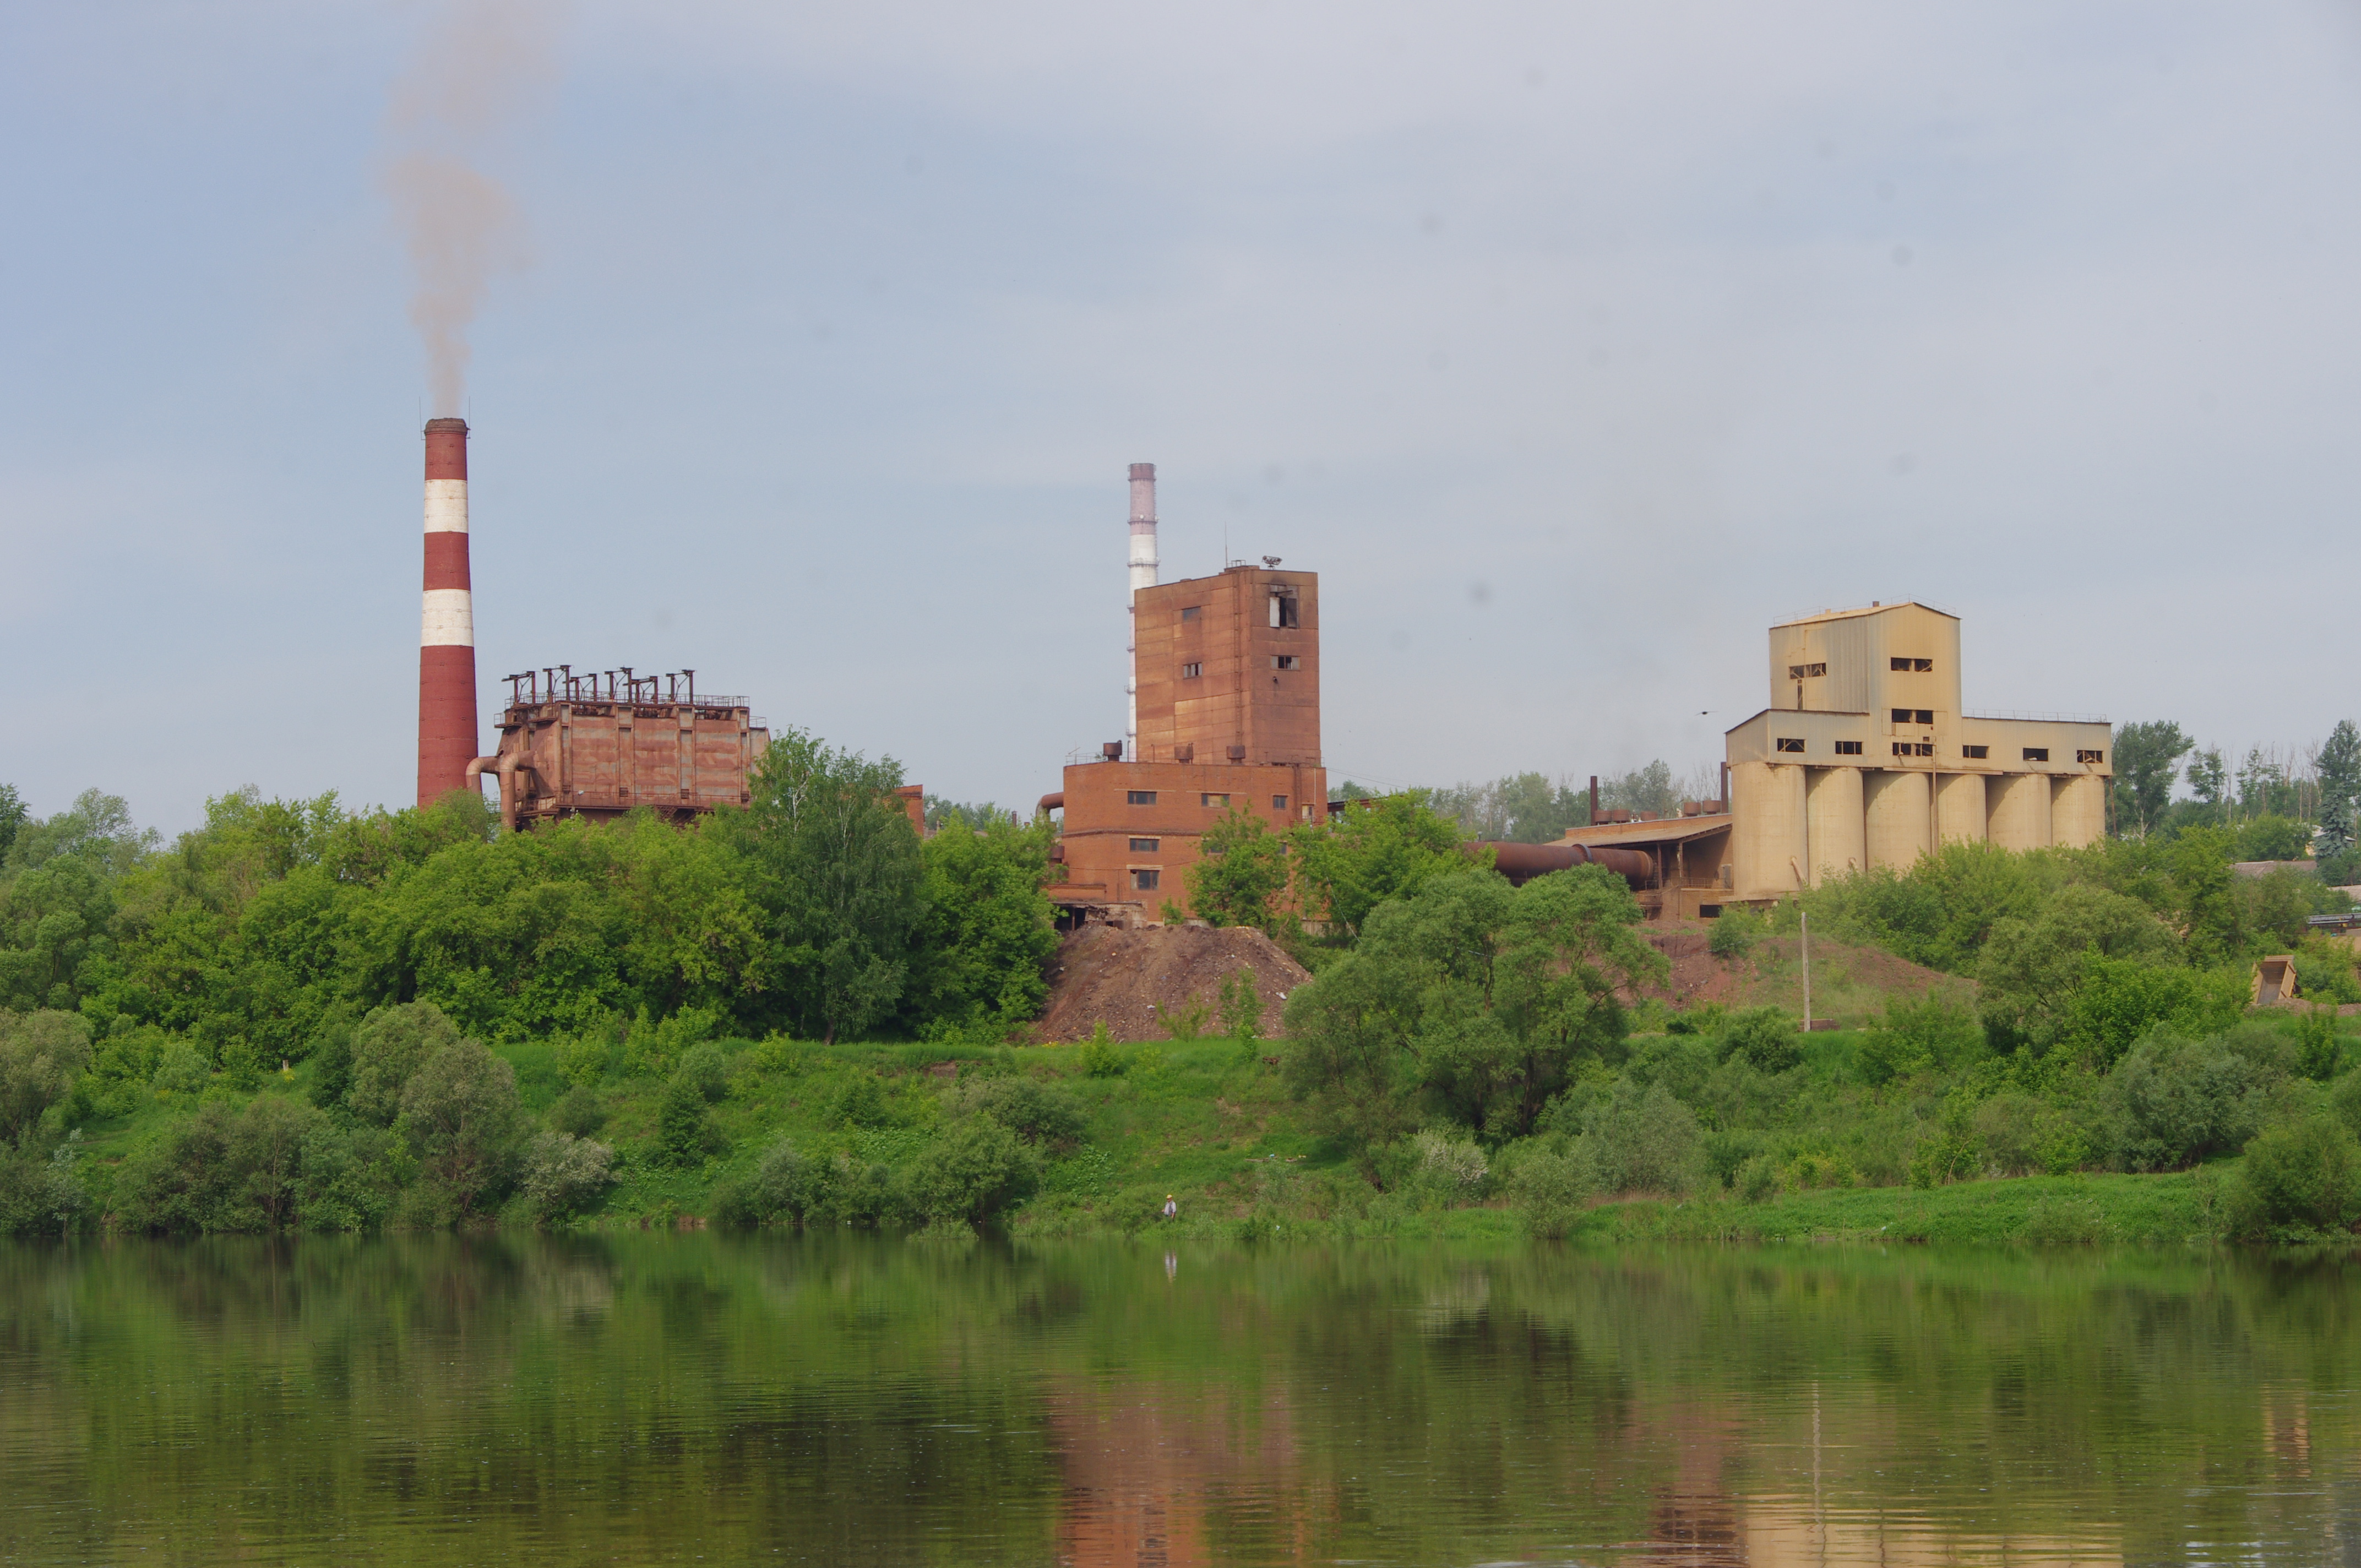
1571 344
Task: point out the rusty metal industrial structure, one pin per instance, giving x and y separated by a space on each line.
446 618
599 745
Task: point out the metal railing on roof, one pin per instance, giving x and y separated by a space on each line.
2012 716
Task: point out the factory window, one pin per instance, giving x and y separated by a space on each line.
1286 662
1282 609
1145 878
1190 613
2037 754
1789 742
1848 748
1143 846
1191 672
1142 798
1218 802
2090 756
1805 672
1914 748
1916 666
1913 715
1975 754
1278 803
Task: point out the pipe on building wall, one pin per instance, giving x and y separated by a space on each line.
1522 862
1144 565
1054 801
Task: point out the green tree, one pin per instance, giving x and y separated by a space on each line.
975 1171
1479 997
388 1047
12 816
460 1115
2209 781
41 1054
984 943
842 880
2340 788
2147 755
1382 849
1241 873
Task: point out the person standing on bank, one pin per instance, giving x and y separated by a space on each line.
1172 1209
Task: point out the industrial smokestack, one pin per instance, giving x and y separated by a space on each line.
447 622
1143 575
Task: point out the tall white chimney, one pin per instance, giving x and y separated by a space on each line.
1143 575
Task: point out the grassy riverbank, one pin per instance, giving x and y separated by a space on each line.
1208 1122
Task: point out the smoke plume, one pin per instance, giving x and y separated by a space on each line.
480 64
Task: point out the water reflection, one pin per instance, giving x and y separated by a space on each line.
847 1399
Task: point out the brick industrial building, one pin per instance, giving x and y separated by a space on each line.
1225 690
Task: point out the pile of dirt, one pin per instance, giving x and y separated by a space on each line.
1851 984
1132 981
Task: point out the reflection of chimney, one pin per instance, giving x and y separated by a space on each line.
446 627
1143 575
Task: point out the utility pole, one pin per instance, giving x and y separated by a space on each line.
1807 971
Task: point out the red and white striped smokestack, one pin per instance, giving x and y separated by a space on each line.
446 623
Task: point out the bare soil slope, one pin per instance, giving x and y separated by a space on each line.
1132 981
1849 984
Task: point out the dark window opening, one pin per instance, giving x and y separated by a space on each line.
1805 672
1191 672
1913 715
1709 911
2090 756
1282 609
1975 754
1144 846
1278 803
1219 801
1848 748
1144 880
1914 748
1143 798
2037 754
1190 613
1286 662
1789 742
1915 666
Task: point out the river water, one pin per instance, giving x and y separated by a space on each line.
853 1400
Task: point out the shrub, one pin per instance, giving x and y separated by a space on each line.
182 1068
684 1134
706 1065
1242 1009
583 1061
2065 1222
2298 1180
1551 1190
858 1102
1734 934
390 1045
1933 1032
563 1172
974 1172
1456 1166
783 1185
1758 1179
1642 1140
1766 1037
221 1170
40 1056
2178 1100
2318 1050
1099 1057
1036 1112
579 1111
1185 1024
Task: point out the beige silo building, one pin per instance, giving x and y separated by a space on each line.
1864 759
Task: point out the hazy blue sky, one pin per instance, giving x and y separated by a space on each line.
1571 344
